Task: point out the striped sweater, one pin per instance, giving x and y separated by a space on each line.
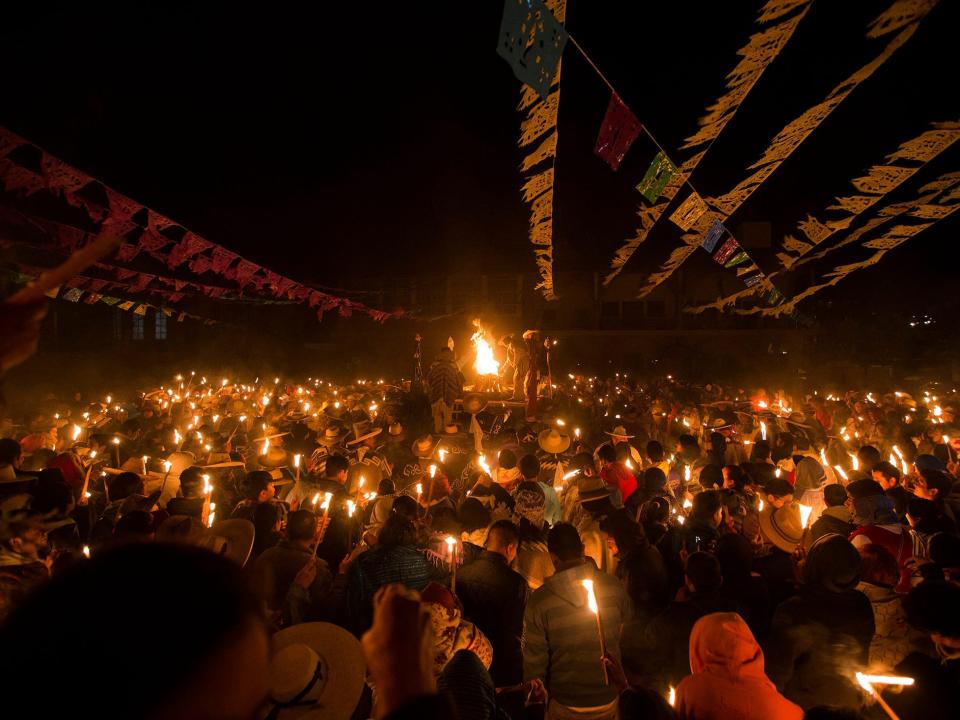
561 642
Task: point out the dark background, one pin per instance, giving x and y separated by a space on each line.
332 140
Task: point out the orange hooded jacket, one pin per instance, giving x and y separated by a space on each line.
728 679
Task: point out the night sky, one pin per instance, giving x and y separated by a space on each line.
337 139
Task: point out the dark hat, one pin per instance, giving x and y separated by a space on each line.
929 462
834 563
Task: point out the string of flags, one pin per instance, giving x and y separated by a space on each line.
533 41
77 294
27 169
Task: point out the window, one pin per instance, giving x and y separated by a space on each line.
656 309
137 327
633 313
160 326
610 309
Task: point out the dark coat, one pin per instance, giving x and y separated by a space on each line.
666 639
815 641
494 598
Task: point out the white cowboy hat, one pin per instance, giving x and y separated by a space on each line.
362 431
553 441
620 431
424 446
333 435
316 673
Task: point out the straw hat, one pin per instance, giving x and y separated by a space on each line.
781 526
362 431
333 435
474 403
620 431
274 458
424 446
233 539
395 431
317 672
553 442
592 488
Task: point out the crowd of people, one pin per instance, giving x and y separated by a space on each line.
582 547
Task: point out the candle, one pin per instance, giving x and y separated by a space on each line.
906 467
360 484
76 432
419 496
595 609
116 451
855 461
763 430
823 456
686 473
442 455
296 464
576 433
805 511
144 460
452 551
840 472
213 514
867 681
672 696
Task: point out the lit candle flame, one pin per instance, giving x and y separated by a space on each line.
76 432
266 446
419 489
296 460
897 451
672 696
591 596
326 501
855 461
560 423
86 551
763 430
442 454
316 499
687 504
433 471
686 473
840 472
823 456
576 433
760 505
805 511
351 508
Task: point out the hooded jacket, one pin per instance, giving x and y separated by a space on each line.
561 643
728 680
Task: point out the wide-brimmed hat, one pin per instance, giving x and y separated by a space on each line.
333 435
719 422
592 488
474 403
450 429
395 431
233 539
337 413
317 672
619 431
275 457
782 526
362 431
553 441
424 446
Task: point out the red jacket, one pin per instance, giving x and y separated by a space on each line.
618 475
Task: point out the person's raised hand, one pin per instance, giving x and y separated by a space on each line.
398 649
